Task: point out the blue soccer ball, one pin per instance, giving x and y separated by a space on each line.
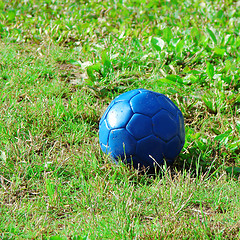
142 128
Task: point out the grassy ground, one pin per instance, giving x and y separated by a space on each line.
61 63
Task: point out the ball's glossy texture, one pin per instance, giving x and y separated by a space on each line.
142 128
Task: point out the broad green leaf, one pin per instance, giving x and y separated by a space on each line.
209 101
220 14
1 28
2 4
57 237
238 126
107 65
50 187
219 51
179 46
210 70
80 238
221 137
165 80
167 34
216 131
190 78
237 42
11 15
175 78
91 69
168 80
157 43
194 32
227 38
175 41
196 136
228 65
212 35
234 145
75 62
210 105
233 170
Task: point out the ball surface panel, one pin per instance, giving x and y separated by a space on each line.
150 150
104 148
104 133
121 143
164 125
127 95
145 103
119 115
167 104
172 148
181 127
139 126
106 112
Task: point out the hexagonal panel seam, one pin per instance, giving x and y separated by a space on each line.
133 96
125 123
121 100
173 138
125 155
105 120
178 116
151 135
158 112
130 133
123 127
131 99
169 112
106 146
155 135
146 90
141 113
132 118
165 141
125 130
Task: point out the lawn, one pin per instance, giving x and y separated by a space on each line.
61 63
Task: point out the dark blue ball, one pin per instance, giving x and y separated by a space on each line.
142 128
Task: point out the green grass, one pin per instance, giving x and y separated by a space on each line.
61 63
